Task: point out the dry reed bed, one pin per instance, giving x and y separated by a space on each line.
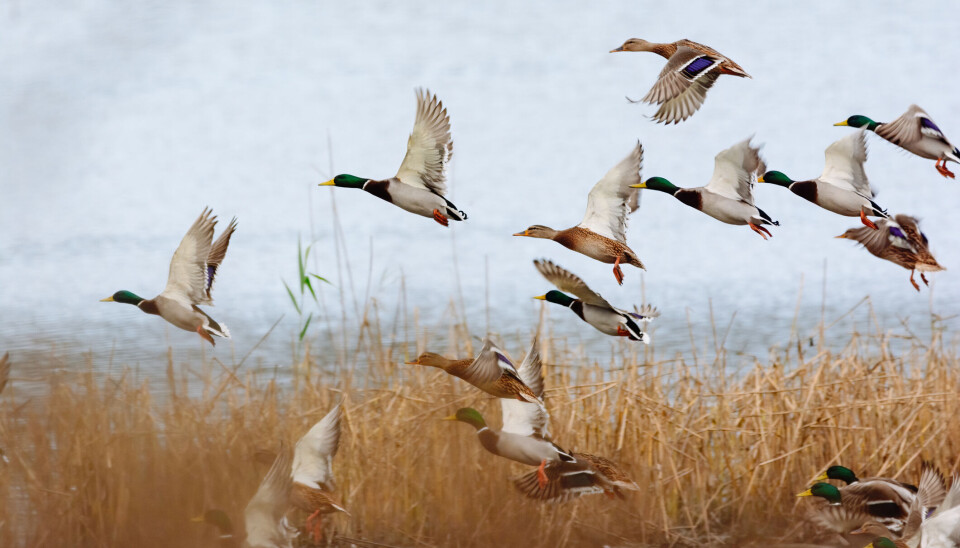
108 462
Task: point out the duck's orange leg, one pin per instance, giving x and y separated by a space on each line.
440 218
203 333
868 222
941 166
621 332
316 530
760 230
617 273
542 479
924 278
912 281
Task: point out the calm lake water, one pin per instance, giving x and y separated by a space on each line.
121 121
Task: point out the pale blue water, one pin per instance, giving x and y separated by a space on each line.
119 122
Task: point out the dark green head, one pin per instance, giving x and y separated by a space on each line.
882 542
125 297
557 297
658 183
824 490
470 416
775 177
347 181
217 518
841 473
859 121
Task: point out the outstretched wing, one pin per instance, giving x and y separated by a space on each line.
646 313
489 365
217 252
314 453
682 85
188 277
609 201
265 512
843 167
733 171
526 418
889 233
429 147
910 127
569 282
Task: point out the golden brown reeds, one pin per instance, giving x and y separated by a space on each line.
104 460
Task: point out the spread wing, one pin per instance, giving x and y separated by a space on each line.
264 514
844 164
188 279
682 85
890 233
733 171
909 128
609 201
314 453
217 252
429 147
526 418
569 282
489 365
646 313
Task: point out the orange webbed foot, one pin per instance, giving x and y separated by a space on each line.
203 333
912 281
617 273
542 479
867 222
440 218
760 230
621 332
924 278
941 166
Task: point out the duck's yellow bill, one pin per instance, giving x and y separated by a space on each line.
524 233
328 183
107 300
541 297
640 185
414 362
760 179
869 545
843 123
450 418
841 236
806 493
823 476
198 519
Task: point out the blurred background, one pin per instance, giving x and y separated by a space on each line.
121 121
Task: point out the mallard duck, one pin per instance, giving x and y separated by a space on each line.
312 473
728 197
843 187
491 371
690 71
884 542
884 500
942 528
602 234
899 241
419 185
532 449
914 132
589 474
192 270
591 307
265 522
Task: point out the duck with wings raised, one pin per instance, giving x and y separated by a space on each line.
683 83
843 187
193 268
900 241
602 234
728 197
914 132
420 184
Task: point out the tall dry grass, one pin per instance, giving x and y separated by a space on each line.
106 460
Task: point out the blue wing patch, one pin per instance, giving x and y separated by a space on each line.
896 232
696 66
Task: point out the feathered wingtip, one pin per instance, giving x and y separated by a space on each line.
645 313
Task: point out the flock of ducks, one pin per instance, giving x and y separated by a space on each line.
419 187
